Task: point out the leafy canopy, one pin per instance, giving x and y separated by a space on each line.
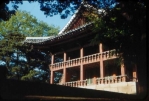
23 22
19 59
51 7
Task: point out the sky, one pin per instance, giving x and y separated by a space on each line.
34 9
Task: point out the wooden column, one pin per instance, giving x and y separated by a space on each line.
52 72
52 77
52 59
64 56
134 73
123 70
81 65
64 69
101 61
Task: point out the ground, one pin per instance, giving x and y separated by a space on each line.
23 90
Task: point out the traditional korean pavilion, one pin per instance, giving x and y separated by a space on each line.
82 64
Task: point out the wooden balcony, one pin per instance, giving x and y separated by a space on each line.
106 55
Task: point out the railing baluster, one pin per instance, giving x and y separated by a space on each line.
108 54
119 79
71 62
115 80
103 55
75 62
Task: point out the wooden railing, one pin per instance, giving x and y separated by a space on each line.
105 80
91 58
106 55
76 83
111 79
73 62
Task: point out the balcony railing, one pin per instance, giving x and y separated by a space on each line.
106 55
111 79
75 83
97 81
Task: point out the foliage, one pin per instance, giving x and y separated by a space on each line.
8 45
123 28
5 13
52 7
28 25
21 60
30 75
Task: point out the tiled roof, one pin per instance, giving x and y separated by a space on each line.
51 38
37 39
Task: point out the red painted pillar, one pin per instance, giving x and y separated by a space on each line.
101 61
64 69
94 80
52 72
123 70
52 77
81 66
52 59
64 56
134 73
102 71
